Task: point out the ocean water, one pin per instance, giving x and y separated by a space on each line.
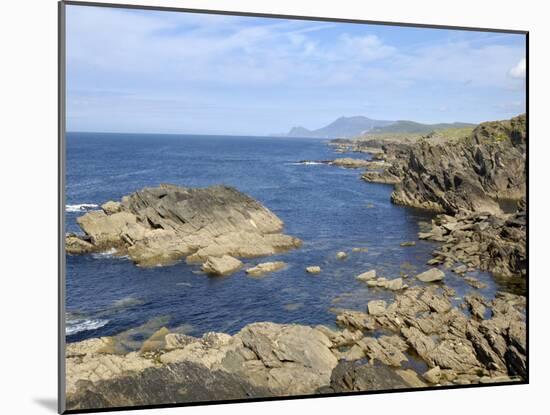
331 209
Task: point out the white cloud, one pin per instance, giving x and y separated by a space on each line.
518 71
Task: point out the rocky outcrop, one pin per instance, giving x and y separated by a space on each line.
350 163
175 383
487 344
484 341
468 178
495 243
469 174
158 226
263 359
356 376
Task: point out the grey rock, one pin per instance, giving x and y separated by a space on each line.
431 275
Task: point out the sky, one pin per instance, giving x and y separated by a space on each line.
149 71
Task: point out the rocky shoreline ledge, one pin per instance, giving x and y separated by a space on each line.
467 180
159 226
452 342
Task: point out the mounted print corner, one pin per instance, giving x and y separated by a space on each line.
257 206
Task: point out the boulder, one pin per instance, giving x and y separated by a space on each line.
367 276
433 375
376 307
221 265
431 275
341 255
75 245
314 269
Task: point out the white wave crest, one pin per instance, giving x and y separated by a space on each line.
110 253
82 207
79 325
306 163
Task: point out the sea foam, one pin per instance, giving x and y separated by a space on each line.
77 326
82 207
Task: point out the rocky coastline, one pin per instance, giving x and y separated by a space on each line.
467 180
427 336
475 341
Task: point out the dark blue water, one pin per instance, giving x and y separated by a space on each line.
329 208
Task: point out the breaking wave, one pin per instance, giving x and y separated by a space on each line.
79 325
83 207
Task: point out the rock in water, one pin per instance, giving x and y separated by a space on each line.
431 275
341 255
158 226
264 268
221 265
314 269
367 276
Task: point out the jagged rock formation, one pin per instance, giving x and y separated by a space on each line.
469 174
484 343
488 345
164 224
495 243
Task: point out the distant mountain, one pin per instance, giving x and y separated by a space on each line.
346 127
403 126
342 127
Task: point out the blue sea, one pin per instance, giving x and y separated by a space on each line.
331 209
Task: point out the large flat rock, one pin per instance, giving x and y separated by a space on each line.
161 225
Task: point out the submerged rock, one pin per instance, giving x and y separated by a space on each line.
158 226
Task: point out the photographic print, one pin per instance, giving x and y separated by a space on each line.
261 207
